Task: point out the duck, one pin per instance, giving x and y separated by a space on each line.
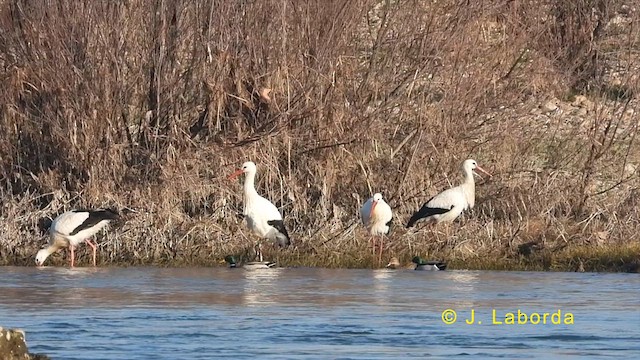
394 264
253 265
422 264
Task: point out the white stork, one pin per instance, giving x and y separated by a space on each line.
72 228
449 204
376 216
263 218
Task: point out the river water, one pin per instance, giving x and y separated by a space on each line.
309 313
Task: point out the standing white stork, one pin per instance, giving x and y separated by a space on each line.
72 228
263 218
376 216
449 204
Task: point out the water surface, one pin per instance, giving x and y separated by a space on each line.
305 313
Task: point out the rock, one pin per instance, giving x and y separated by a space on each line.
550 106
618 20
625 10
630 169
615 82
581 101
601 236
14 347
580 112
264 95
587 104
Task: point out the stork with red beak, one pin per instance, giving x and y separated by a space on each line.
263 218
449 204
376 216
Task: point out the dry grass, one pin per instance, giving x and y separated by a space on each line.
148 105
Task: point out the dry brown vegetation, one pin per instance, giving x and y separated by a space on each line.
147 105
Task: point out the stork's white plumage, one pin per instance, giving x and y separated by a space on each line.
449 204
71 228
263 218
376 216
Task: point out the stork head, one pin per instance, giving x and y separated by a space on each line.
41 256
471 165
247 168
376 197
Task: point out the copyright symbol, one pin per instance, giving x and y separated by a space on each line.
449 316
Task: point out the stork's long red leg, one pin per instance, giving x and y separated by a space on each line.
381 247
373 245
94 251
72 248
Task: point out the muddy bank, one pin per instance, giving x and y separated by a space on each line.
529 256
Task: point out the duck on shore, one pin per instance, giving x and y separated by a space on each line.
417 263
395 264
422 264
253 265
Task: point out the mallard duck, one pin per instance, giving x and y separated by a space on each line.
422 264
231 260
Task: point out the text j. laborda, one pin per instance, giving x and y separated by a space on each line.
519 317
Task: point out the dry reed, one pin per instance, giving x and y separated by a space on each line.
147 106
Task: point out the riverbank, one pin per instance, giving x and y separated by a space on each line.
530 256
333 104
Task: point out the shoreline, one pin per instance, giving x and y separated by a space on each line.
622 258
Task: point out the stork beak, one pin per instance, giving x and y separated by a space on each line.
372 208
483 171
238 172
